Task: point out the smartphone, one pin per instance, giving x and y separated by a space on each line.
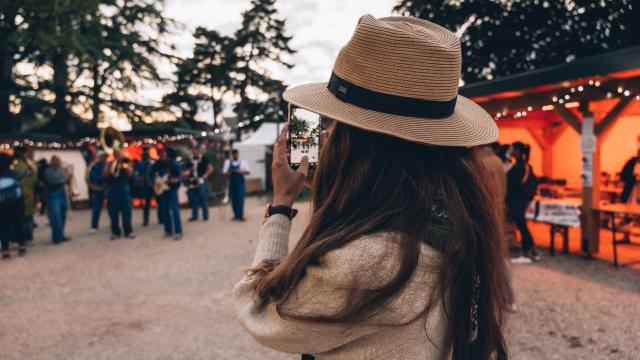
304 136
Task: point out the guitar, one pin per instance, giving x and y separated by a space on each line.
161 184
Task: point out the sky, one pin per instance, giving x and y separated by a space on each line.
319 28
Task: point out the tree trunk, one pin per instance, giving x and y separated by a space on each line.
7 120
240 113
216 107
97 87
60 121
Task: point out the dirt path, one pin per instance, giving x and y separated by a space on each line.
153 298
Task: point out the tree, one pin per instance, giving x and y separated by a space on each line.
11 32
99 54
259 43
183 97
56 40
123 49
214 57
503 37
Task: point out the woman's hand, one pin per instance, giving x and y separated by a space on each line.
287 183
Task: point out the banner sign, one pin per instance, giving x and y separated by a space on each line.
552 211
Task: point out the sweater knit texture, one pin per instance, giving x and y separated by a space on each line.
399 330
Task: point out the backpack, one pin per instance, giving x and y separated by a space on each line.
529 182
10 190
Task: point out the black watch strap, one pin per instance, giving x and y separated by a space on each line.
280 209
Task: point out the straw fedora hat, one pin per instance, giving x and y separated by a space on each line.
399 76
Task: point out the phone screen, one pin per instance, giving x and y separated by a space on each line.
304 136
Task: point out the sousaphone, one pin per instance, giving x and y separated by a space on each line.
111 140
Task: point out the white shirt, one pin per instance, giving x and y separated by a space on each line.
242 163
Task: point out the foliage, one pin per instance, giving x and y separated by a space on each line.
89 57
238 65
503 37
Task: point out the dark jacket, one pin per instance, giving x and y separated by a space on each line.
628 178
515 189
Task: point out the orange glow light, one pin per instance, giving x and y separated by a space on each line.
572 105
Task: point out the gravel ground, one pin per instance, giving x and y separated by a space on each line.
154 298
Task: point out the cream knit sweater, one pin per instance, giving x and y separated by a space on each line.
395 332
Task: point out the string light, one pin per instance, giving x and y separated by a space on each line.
87 140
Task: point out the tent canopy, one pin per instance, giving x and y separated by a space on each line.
267 134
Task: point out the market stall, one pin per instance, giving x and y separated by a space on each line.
582 120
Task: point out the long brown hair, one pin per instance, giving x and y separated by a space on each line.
367 183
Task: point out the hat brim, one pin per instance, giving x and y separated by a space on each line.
469 125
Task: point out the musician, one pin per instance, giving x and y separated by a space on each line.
165 175
97 182
55 179
28 171
236 169
141 176
118 172
199 169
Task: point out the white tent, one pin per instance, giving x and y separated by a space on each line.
254 150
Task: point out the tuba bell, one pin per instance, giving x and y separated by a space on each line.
112 141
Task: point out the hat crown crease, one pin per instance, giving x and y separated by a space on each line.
402 56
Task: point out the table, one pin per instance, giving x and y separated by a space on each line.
619 209
612 192
560 214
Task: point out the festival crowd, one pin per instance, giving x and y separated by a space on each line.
114 181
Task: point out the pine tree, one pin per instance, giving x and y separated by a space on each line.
183 100
215 57
123 57
260 40
11 35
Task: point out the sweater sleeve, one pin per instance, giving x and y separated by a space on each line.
322 292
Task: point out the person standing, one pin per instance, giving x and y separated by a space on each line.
141 176
11 209
628 177
118 173
97 183
400 258
27 170
200 168
41 189
165 175
55 179
236 170
521 184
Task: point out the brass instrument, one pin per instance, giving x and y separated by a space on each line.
112 141
95 186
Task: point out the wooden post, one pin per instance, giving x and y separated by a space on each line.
590 183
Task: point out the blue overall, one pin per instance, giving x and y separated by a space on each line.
236 191
146 190
119 203
168 201
199 198
57 205
96 175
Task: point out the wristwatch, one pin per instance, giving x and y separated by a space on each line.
280 209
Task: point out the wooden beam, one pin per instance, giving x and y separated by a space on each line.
553 134
613 114
537 135
568 116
